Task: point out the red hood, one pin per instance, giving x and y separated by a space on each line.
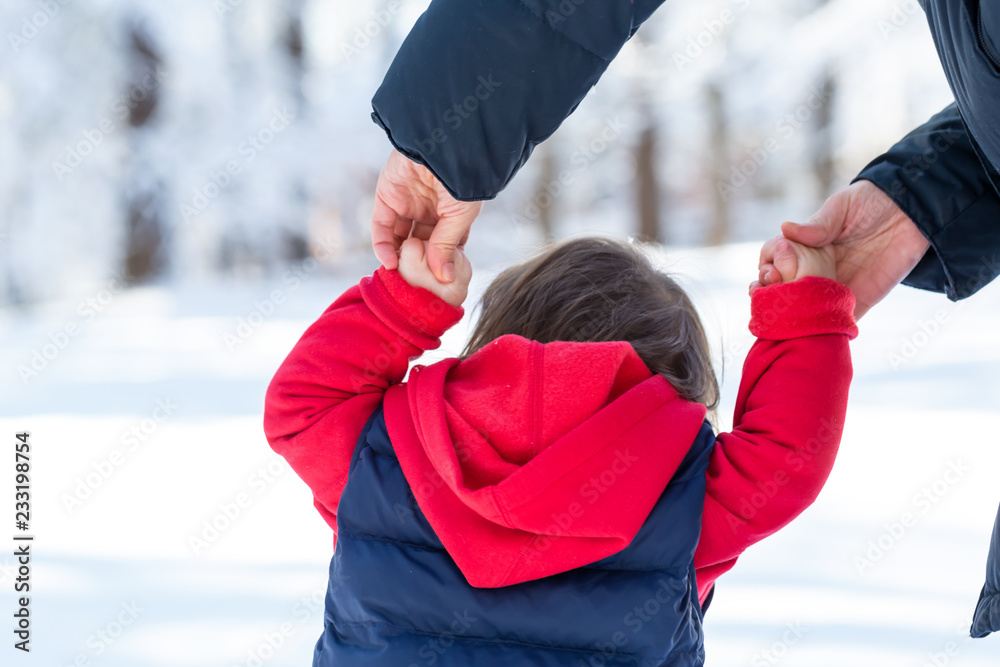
530 459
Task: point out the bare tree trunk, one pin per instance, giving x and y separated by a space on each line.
545 190
295 234
294 45
646 177
144 225
11 293
824 163
719 229
646 181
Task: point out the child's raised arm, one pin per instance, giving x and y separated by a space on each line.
336 375
789 414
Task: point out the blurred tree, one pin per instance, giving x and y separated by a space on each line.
145 200
646 153
295 234
823 149
294 45
718 148
11 293
647 188
544 196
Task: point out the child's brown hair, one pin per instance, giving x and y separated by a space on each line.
598 290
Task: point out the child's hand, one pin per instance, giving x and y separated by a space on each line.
793 261
414 270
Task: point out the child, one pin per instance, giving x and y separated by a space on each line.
555 496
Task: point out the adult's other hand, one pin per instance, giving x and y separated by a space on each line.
410 200
875 244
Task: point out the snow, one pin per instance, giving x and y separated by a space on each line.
798 598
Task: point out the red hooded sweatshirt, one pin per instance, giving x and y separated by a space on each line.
529 460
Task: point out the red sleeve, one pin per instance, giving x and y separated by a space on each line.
336 375
788 421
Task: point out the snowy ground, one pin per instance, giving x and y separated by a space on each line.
123 554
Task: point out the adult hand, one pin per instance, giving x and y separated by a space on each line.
410 200
874 243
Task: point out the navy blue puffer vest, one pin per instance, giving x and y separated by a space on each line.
397 599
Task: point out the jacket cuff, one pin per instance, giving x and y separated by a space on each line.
940 179
461 99
952 265
809 306
413 313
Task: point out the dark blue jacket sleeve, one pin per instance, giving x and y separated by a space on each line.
937 176
987 617
966 35
477 84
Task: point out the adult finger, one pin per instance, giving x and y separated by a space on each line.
442 245
816 233
450 233
464 240
423 230
824 226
